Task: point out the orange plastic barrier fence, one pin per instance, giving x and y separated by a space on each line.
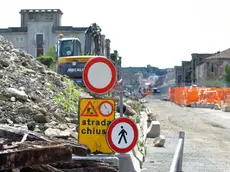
189 95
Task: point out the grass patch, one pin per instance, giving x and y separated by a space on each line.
68 99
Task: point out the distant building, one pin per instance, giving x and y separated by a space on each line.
183 74
197 60
178 75
40 28
202 68
213 67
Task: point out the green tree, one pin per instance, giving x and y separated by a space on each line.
51 51
227 73
46 60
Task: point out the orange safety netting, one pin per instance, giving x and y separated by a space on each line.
189 95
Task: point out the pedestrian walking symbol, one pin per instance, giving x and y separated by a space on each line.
122 134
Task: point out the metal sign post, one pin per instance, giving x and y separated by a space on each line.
121 101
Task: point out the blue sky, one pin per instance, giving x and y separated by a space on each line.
161 33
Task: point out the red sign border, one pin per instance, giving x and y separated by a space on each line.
112 105
86 79
109 135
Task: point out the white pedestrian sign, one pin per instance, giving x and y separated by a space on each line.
122 135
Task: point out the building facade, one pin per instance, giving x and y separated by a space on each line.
197 60
213 67
40 29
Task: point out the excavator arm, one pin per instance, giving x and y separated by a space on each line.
93 34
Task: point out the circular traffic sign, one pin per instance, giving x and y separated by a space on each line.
106 108
122 135
99 75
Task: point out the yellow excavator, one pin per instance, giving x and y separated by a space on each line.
70 60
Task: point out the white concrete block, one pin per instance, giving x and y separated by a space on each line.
128 163
138 155
225 108
154 129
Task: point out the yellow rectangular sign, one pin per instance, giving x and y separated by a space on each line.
95 115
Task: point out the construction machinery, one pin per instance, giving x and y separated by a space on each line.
70 60
148 89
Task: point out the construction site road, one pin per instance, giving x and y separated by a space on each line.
207 138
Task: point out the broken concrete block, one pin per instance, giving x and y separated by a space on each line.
225 108
193 105
211 106
217 107
154 129
159 141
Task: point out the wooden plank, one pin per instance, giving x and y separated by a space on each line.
33 154
85 166
73 166
80 150
40 168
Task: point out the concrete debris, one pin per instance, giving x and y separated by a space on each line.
203 105
226 108
159 141
217 107
164 98
151 117
27 90
127 110
54 132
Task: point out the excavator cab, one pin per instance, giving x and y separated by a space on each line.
68 47
70 60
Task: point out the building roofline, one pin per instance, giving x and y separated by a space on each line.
220 55
40 11
69 28
13 29
55 29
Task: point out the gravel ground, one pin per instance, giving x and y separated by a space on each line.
207 138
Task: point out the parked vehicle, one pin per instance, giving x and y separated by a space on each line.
156 91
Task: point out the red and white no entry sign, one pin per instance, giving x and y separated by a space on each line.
99 75
122 135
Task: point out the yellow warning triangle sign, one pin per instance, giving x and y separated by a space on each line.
89 110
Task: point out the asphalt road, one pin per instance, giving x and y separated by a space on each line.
207 138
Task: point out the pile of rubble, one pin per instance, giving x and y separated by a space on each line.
29 115
27 88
